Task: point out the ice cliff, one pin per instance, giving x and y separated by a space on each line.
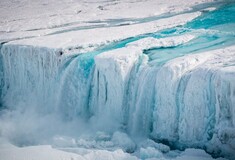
175 87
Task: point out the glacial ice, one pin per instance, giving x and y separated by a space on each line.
131 95
149 101
149 43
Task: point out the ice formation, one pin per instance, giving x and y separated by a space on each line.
170 86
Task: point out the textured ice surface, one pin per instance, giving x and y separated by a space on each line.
31 18
149 43
146 88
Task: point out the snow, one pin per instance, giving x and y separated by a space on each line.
101 36
149 43
47 152
149 152
109 67
89 80
159 146
123 141
36 152
10 152
30 15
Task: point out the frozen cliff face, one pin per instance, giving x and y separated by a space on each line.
110 79
162 81
28 71
187 102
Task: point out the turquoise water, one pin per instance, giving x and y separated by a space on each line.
213 30
126 21
224 15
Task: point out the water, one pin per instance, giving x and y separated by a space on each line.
150 103
214 30
128 21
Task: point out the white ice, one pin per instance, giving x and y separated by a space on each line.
66 99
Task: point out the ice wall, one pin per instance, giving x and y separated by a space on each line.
112 72
28 73
186 102
144 87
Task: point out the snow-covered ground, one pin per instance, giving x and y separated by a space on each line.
117 79
47 152
27 18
